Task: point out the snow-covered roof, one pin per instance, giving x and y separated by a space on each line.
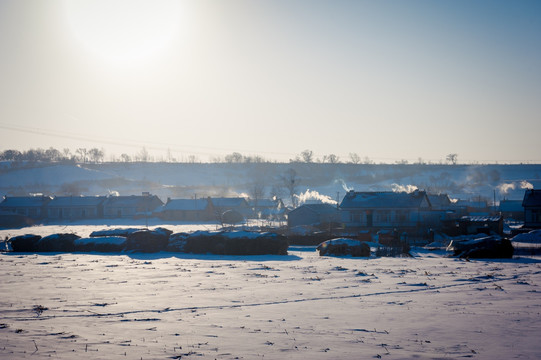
511 205
317 208
439 201
472 204
482 219
130 201
24 201
66 201
384 199
229 202
186 204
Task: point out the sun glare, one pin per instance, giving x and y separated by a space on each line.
124 32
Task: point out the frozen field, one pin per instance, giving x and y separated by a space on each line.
300 306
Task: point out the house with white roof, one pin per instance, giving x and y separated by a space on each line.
132 206
32 207
187 210
75 207
385 210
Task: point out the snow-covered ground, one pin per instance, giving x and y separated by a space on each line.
299 306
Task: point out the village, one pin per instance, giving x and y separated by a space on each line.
415 216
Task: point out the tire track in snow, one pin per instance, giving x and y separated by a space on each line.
426 288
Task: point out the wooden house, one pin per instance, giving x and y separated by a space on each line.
75 207
132 206
532 208
385 210
32 207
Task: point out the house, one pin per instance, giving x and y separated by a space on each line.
532 208
75 207
319 215
187 210
512 209
267 209
237 204
385 210
130 206
32 207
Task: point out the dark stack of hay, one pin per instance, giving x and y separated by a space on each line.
490 247
344 247
229 243
147 241
25 243
57 243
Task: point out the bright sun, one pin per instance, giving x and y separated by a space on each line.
124 32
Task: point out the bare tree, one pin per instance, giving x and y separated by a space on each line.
257 191
143 155
354 158
83 153
307 156
452 158
125 157
96 155
331 159
234 158
290 181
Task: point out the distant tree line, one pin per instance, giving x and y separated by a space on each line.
50 155
95 156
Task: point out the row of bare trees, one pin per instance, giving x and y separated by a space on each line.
95 155
51 154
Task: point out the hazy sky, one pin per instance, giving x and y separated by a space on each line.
389 80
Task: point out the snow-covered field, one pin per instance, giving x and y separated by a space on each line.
299 306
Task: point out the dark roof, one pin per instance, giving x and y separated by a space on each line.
24 201
76 201
384 199
532 198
